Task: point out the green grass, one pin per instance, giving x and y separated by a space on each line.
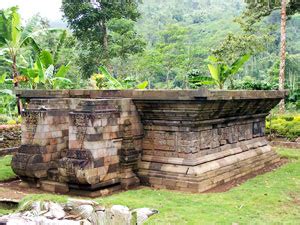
5 211
271 198
6 172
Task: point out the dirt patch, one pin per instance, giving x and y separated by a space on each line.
234 183
13 190
16 190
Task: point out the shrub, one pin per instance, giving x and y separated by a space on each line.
287 126
250 83
288 118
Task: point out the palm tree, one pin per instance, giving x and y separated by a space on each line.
282 53
13 38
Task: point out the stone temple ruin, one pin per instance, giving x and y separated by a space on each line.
97 142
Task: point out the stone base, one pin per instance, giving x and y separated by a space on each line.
129 179
28 184
52 186
210 173
96 193
285 144
63 188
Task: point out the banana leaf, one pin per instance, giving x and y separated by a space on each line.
142 85
113 81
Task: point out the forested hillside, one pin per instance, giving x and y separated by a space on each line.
153 44
181 35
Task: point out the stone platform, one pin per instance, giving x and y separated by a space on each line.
189 140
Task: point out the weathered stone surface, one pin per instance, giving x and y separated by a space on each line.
183 140
77 212
52 186
10 136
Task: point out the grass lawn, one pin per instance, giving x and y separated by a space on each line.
6 172
272 198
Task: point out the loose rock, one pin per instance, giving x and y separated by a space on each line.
76 212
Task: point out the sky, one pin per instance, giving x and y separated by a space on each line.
49 9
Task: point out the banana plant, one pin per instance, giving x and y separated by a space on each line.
105 80
3 78
13 38
44 72
219 72
7 99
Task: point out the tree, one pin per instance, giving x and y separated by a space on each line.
13 37
89 22
264 8
124 41
282 53
251 39
173 49
148 66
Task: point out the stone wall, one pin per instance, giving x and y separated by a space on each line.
87 144
10 136
182 140
104 144
44 138
195 146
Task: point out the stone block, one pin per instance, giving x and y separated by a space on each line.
52 186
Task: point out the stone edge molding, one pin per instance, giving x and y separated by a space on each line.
152 94
99 142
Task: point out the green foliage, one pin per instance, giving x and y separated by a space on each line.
250 83
10 24
123 39
251 39
284 125
111 81
46 58
3 78
45 73
104 80
196 33
105 30
173 53
261 11
7 104
180 35
264 8
219 71
13 38
60 45
197 80
83 16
